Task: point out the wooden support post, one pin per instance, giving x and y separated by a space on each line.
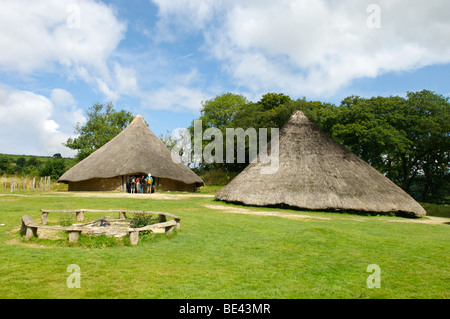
80 216
162 218
73 236
30 232
44 218
134 237
169 229
33 186
178 225
122 215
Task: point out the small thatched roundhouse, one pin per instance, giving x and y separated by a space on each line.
317 173
136 151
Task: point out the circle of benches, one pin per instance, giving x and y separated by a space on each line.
29 227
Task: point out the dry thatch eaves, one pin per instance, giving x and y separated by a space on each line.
136 150
317 173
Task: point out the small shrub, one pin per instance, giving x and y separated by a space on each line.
141 220
65 220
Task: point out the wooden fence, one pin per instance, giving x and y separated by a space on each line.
36 184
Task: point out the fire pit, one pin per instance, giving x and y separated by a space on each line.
113 227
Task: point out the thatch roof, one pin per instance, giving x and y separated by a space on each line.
317 173
134 150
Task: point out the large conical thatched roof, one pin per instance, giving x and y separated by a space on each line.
135 150
317 173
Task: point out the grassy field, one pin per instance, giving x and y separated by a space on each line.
224 255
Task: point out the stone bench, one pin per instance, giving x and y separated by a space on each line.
122 214
29 228
160 228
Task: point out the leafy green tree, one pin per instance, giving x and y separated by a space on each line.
428 128
54 168
103 124
33 161
5 162
223 110
219 113
21 162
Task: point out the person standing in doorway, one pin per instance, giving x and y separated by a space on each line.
133 185
143 184
149 183
138 184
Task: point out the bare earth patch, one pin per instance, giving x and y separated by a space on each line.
238 210
163 196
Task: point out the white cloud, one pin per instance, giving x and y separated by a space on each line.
61 97
75 38
176 97
65 109
34 124
190 16
40 34
314 47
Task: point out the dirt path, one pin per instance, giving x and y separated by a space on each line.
163 196
238 210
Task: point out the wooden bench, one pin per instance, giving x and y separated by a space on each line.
122 214
29 228
160 228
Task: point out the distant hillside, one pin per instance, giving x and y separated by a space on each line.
55 165
15 157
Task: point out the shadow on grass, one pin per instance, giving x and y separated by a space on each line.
352 212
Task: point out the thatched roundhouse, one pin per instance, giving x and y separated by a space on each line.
317 173
134 151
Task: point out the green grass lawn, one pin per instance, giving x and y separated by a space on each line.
218 255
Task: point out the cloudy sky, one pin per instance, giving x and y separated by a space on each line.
162 58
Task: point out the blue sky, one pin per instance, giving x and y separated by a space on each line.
162 58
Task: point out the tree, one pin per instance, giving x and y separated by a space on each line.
5 162
21 162
223 110
54 168
428 128
220 113
103 124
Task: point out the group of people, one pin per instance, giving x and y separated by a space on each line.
141 184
